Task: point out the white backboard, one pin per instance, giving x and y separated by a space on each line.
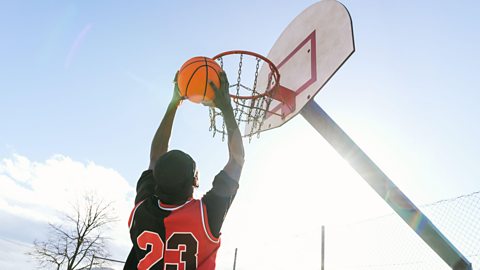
307 54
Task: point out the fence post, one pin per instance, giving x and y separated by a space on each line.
235 259
323 247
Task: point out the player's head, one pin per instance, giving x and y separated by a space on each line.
175 176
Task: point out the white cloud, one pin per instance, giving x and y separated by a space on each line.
12 255
39 192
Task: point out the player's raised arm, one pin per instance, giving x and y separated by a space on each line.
162 136
235 144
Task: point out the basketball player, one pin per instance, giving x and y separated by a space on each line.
169 229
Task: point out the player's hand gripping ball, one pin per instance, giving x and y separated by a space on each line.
194 77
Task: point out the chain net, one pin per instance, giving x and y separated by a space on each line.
250 104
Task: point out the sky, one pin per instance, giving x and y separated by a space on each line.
84 85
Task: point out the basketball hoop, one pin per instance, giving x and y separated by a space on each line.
257 83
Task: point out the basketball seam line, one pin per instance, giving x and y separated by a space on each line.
190 79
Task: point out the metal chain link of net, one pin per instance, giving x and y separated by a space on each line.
247 111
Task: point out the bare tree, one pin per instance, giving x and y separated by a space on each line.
74 244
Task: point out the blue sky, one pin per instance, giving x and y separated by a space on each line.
87 82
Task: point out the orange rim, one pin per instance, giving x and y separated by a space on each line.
272 66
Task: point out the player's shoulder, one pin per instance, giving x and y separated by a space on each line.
223 185
145 177
146 173
145 186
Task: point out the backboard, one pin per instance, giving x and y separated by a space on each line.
307 54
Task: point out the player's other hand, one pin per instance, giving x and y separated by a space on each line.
222 98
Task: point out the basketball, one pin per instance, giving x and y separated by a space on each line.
193 78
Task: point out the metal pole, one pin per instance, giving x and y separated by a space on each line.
323 247
235 259
389 192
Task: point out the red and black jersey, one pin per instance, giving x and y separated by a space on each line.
178 237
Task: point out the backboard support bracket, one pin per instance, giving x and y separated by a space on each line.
286 98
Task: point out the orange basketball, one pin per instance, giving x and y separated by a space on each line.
193 78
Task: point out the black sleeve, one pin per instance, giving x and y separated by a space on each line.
218 201
145 186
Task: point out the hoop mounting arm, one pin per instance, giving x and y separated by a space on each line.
287 100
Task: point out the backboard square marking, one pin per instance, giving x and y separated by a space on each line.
309 41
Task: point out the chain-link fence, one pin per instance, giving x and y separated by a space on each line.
387 242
